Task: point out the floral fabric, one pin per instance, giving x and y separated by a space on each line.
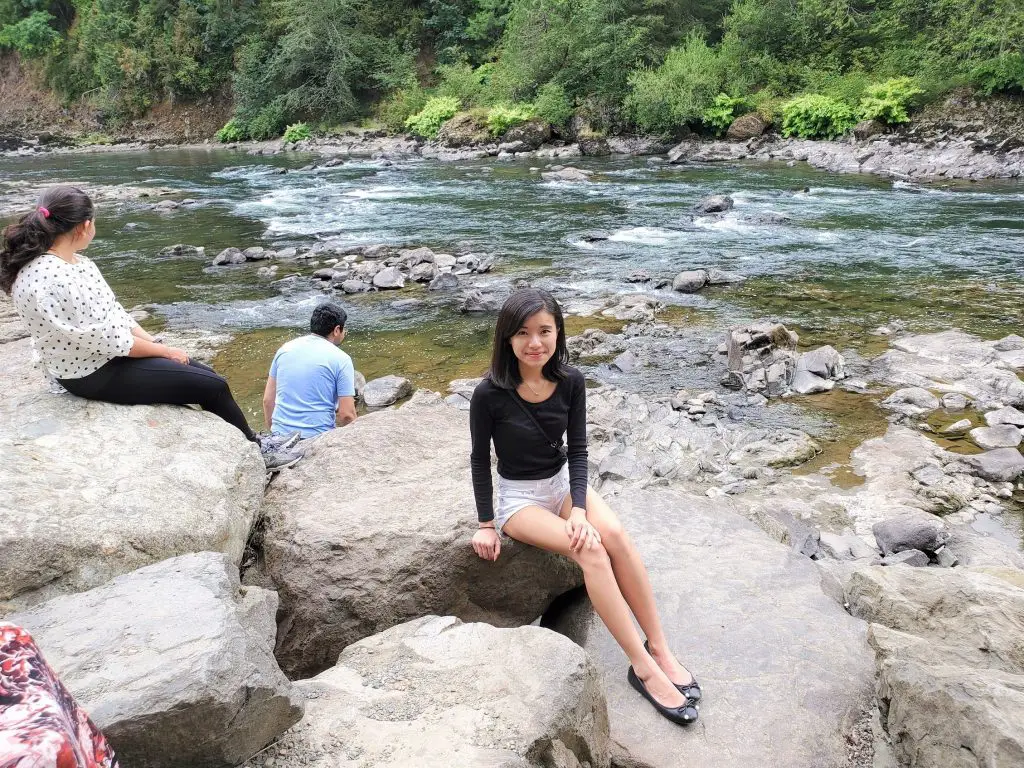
41 726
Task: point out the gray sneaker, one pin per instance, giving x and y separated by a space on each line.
275 460
269 443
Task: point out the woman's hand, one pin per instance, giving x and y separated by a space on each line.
581 533
486 543
177 355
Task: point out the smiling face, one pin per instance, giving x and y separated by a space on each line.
534 343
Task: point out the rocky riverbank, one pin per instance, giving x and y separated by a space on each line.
363 571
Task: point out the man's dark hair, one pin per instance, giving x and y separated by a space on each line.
326 318
518 308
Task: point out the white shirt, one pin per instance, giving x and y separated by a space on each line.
77 324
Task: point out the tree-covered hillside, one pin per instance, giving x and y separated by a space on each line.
652 65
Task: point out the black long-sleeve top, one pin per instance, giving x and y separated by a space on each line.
523 453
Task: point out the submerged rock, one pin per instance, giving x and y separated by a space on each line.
714 204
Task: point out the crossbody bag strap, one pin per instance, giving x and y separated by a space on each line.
557 447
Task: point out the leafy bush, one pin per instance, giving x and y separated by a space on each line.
32 37
400 106
463 82
269 122
889 101
233 130
428 121
814 116
1005 73
719 116
679 91
552 104
296 132
501 117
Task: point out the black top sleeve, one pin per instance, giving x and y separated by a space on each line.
576 433
481 427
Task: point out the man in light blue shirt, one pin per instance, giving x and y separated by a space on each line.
311 387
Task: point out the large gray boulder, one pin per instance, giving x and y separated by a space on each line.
174 662
785 671
746 126
387 539
93 490
919 530
762 357
999 436
690 281
435 692
1006 415
1002 465
385 391
911 401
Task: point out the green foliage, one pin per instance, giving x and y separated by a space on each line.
232 131
296 132
428 121
719 116
814 116
268 122
890 101
679 91
33 37
466 83
552 104
501 117
400 106
1004 74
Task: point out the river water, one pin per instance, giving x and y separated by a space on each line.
833 257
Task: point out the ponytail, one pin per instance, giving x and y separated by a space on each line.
59 211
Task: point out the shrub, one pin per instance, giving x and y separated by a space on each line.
501 117
32 37
296 132
268 123
889 101
719 116
814 116
552 104
400 106
1004 73
428 121
677 92
463 82
233 130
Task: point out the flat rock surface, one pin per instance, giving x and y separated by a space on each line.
785 671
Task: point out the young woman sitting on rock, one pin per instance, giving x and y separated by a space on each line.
528 400
84 338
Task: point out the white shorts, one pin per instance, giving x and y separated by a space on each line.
513 495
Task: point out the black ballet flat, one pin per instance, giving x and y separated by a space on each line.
691 690
684 715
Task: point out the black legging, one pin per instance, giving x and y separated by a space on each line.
157 380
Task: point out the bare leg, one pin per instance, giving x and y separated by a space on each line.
631 576
540 528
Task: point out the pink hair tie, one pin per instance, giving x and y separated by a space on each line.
45 212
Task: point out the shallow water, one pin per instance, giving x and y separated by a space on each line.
832 256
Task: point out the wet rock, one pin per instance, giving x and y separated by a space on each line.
911 557
634 308
353 553
385 391
355 286
477 301
721 277
567 174
1006 415
257 253
911 401
1001 436
389 278
912 531
806 383
423 273
690 281
593 145
413 256
182 250
174 648
638 276
957 427
714 204
745 127
229 256
428 693
445 281
407 305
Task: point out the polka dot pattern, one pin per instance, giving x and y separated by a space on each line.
76 322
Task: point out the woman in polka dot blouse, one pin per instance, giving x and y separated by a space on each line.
84 337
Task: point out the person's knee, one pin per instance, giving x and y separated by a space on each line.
594 558
614 536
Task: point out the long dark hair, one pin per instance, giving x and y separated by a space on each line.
517 309
59 210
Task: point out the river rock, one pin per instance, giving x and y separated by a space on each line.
748 126
229 256
824 362
352 553
957 427
533 133
1003 465
954 401
626 362
173 649
567 174
1010 343
690 281
806 383
413 256
355 286
753 619
385 391
761 357
389 278
182 250
593 145
444 261
429 693
423 273
914 531
463 130
445 281
714 204
911 401
1001 436
477 301
912 557
721 277
73 511
1005 415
